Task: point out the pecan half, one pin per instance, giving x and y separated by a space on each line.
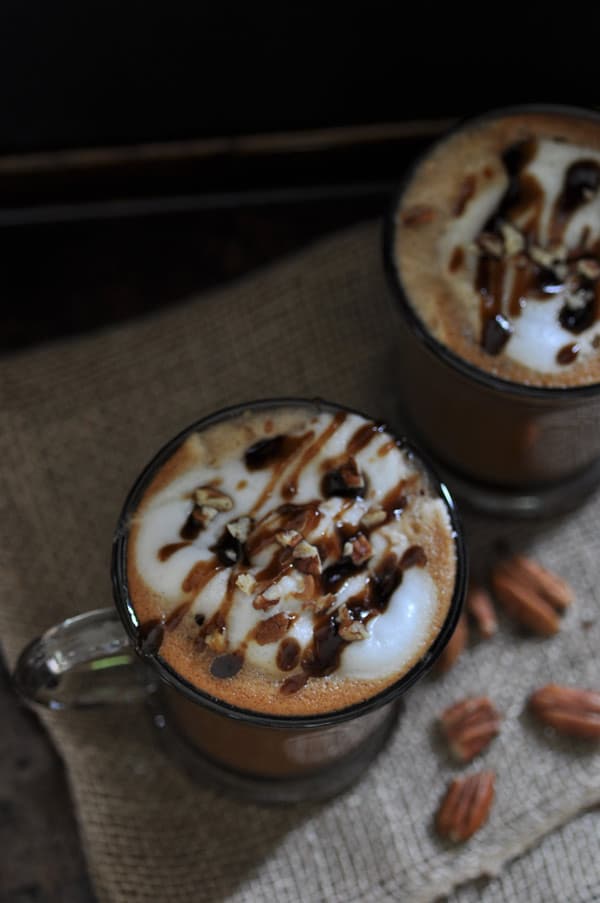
481 608
548 584
570 710
469 726
531 594
454 646
466 806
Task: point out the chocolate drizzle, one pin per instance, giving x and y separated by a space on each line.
165 552
192 527
228 665
323 656
580 186
229 550
288 654
567 354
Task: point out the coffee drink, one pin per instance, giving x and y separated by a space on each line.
492 249
291 560
497 244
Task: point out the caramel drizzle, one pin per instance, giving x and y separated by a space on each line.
200 575
291 487
165 552
504 284
276 471
322 655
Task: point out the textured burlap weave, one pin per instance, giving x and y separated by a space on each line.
80 419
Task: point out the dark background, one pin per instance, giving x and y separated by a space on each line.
78 74
151 150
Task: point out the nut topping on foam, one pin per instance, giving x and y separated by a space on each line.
330 578
534 265
518 276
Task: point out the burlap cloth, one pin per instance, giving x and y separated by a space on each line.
80 419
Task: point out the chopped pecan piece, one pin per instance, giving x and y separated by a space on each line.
269 597
346 481
306 558
240 528
351 475
246 583
466 806
589 268
491 244
481 608
373 518
358 549
542 257
216 639
349 628
514 242
208 495
469 726
531 594
289 538
454 647
570 710
203 514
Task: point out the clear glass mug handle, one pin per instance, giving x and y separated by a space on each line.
84 661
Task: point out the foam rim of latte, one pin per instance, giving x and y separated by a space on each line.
494 244
290 559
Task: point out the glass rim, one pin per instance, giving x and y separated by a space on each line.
467 369
126 611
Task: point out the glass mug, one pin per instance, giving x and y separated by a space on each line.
504 447
97 658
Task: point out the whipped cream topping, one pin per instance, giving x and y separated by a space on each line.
293 550
531 243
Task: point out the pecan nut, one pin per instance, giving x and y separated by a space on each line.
469 726
306 558
531 594
214 498
481 608
466 806
569 710
358 549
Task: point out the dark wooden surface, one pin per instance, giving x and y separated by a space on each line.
72 278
